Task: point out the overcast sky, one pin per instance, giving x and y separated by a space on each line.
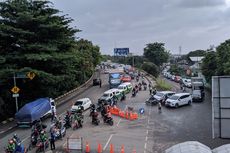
192 24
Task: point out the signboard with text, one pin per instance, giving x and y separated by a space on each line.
121 51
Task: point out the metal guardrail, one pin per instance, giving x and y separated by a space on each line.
59 100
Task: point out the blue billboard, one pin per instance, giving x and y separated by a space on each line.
121 51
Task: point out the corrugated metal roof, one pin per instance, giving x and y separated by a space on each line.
189 147
222 149
196 59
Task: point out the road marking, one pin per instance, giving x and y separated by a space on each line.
25 138
144 151
148 120
145 145
10 128
2 132
147 131
149 113
108 141
146 138
118 122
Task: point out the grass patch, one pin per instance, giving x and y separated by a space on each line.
162 85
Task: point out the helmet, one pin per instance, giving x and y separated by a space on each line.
11 142
42 132
15 135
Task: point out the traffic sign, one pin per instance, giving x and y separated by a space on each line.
15 89
15 95
31 75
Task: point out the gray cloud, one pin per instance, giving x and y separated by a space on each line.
193 24
196 3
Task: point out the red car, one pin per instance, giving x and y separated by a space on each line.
126 78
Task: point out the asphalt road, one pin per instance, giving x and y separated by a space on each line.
153 132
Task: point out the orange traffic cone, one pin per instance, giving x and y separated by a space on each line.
111 148
87 148
122 149
99 149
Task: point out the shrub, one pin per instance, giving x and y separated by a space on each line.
162 85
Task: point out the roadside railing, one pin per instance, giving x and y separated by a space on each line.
72 93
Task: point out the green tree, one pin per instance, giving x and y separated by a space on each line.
174 69
223 58
151 68
156 53
35 37
209 66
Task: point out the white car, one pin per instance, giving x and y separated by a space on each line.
84 102
179 99
187 82
161 96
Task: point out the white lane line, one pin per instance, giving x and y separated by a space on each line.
25 138
147 131
145 145
149 113
146 138
118 122
108 141
2 132
144 151
148 120
10 128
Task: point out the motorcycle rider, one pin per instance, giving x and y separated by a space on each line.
11 146
92 109
58 123
136 88
16 138
67 120
94 115
43 136
139 85
123 97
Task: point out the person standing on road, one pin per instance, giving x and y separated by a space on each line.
52 140
100 83
159 107
150 90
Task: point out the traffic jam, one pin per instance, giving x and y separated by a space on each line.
44 133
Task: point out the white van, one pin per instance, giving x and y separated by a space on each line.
129 86
109 94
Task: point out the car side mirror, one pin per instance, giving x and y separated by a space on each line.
179 99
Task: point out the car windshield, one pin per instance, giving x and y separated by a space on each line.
120 87
105 95
196 92
174 97
159 94
78 103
